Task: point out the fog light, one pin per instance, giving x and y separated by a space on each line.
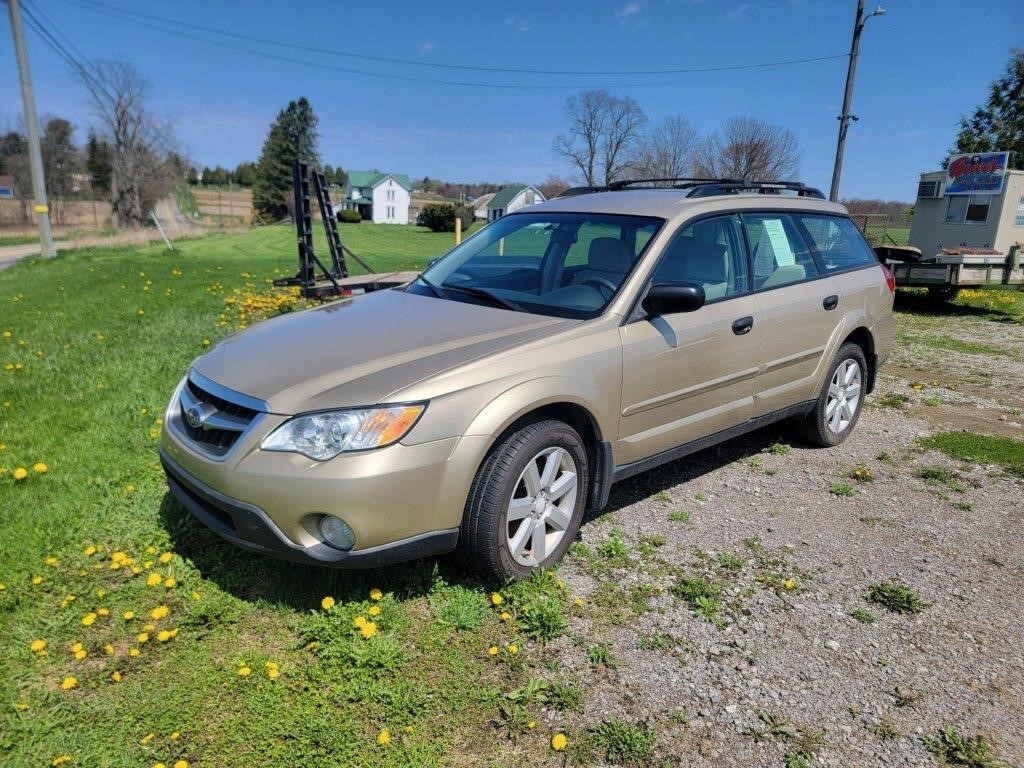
336 532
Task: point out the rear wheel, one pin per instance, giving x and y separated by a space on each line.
838 407
526 502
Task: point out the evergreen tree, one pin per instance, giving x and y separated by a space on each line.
293 135
998 125
99 164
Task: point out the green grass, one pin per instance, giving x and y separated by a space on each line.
959 345
982 449
101 337
951 748
895 597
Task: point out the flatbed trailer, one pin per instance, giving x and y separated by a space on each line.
946 273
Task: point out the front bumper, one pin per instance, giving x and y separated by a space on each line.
248 526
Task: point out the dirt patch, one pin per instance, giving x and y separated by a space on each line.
984 421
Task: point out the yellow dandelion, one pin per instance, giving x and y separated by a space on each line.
150 550
89 551
52 561
496 599
134 652
148 627
80 654
163 635
512 648
368 630
273 674
359 622
130 488
409 729
20 473
101 593
170 582
492 651
61 760
115 676
108 649
154 579
89 619
159 612
37 580
505 616
147 738
384 737
373 610
102 611
166 557
142 637
128 615
327 603
37 646
789 584
175 735
532 724
39 468
244 671
578 602
376 594
76 647
159 765
69 682
559 742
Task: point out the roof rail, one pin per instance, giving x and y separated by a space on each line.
705 187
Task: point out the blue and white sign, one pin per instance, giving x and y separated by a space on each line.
980 173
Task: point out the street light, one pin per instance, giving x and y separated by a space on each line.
844 119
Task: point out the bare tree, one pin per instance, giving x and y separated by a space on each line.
60 164
750 148
667 151
603 130
140 142
553 186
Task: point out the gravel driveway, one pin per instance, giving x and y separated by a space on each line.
781 670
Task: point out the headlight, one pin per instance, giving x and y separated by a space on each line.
324 435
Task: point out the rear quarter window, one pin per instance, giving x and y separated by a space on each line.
838 241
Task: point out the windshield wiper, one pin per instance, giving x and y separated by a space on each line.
480 293
433 288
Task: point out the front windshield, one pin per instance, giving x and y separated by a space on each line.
561 264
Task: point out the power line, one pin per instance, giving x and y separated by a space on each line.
96 88
159 23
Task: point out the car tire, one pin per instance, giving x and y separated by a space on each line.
823 426
507 495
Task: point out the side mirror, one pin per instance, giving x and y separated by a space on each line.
672 298
433 261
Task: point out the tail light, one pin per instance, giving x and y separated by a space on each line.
890 278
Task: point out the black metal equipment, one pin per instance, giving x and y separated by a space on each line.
310 286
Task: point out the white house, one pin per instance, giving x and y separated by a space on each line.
512 199
382 198
480 205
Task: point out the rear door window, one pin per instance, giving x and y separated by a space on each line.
778 251
838 241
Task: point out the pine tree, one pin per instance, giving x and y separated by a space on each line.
293 134
998 125
99 164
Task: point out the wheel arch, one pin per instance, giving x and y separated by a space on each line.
864 339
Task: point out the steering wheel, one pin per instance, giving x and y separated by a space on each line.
600 282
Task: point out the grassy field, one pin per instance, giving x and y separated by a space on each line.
131 636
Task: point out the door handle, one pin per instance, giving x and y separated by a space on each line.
742 325
830 302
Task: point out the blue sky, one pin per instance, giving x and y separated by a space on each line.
922 64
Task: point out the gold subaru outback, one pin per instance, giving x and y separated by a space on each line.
486 406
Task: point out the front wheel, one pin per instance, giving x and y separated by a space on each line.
526 502
838 406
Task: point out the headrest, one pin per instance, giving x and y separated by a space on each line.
609 254
705 263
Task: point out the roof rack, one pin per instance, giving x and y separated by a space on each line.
706 187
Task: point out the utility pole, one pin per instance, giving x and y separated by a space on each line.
851 72
35 155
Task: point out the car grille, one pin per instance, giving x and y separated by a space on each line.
223 421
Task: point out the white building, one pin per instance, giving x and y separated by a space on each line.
480 205
512 199
382 198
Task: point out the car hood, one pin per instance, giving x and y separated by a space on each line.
361 350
